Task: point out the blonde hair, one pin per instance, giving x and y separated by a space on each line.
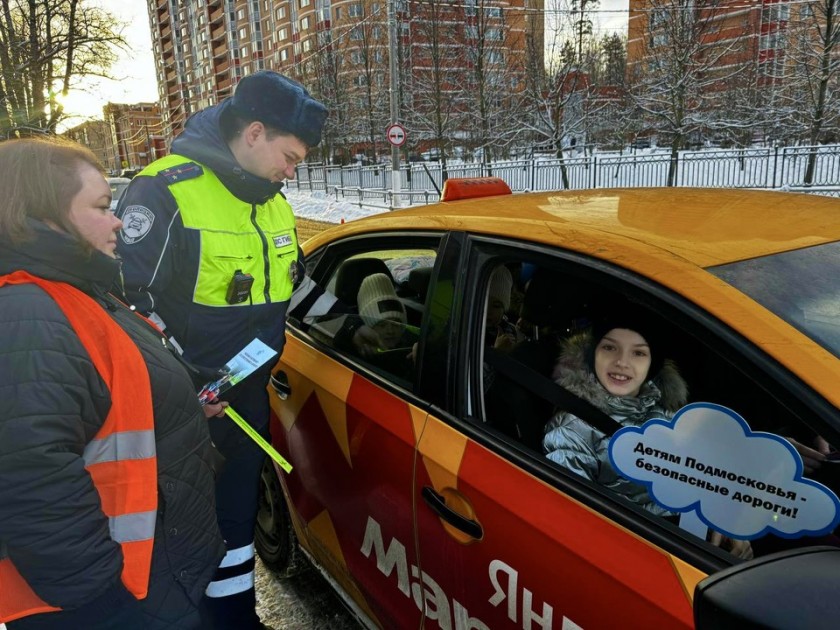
40 178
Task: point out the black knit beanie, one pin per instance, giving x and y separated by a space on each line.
628 316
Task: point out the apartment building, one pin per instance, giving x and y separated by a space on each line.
735 32
96 135
136 134
337 48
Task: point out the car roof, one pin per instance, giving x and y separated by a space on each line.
670 235
703 226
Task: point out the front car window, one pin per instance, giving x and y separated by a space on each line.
799 286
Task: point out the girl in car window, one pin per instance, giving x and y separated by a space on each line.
618 367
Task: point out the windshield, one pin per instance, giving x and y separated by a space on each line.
802 287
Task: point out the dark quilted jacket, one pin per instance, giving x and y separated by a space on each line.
54 402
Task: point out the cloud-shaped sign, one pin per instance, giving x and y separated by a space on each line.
742 483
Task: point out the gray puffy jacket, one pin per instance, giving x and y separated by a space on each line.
583 449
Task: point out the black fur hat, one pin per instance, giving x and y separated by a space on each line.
281 103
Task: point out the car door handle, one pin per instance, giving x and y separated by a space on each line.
280 384
459 521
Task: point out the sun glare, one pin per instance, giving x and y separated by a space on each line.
81 105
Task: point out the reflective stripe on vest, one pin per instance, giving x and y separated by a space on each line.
259 240
120 459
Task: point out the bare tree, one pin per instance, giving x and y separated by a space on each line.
581 9
813 62
681 68
46 47
330 86
750 107
492 36
365 62
557 87
433 106
611 118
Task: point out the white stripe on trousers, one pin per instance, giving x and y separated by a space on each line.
237 556
231 586
237 583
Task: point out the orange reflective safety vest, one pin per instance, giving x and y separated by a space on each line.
120 459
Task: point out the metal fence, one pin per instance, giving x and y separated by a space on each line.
772 168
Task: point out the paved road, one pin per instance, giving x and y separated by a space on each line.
305 602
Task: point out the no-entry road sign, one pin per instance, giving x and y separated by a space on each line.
396 134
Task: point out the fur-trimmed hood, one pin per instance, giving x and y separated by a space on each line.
572 371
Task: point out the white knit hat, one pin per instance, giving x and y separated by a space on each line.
377 300
501 283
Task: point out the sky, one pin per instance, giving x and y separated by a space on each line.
135 69
612 16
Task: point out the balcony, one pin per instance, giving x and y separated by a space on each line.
218 33
220 49
221 67
223 87
217 15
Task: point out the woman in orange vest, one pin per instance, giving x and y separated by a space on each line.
107 512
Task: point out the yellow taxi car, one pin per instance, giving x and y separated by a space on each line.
420 484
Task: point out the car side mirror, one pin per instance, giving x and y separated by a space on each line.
791 589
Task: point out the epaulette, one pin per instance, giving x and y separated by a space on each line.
182 172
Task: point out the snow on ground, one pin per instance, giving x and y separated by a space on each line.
319 207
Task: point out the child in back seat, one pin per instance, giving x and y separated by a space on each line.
383 312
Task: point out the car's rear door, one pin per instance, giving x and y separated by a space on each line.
350 427
508 538
352 445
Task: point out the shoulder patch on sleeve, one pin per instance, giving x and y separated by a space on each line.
137 223
181 172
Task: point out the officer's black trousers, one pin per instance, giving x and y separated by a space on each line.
230 596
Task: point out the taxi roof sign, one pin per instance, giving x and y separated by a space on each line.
456 188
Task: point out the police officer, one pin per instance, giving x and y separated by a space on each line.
210 253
